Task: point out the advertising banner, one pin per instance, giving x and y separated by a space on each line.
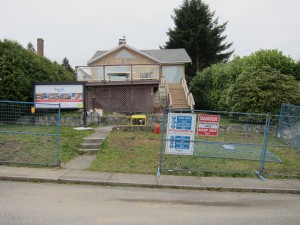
180 134
208 125
68 95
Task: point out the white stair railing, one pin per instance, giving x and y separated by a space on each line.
169 95
188 95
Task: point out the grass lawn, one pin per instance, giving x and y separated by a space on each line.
138 152
37 146
129 152
70 141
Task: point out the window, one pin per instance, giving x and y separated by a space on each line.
117 73
172 74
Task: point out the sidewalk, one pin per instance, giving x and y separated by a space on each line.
75 176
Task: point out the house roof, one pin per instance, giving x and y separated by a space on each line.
165 56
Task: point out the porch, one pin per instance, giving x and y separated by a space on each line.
108 73
135 88
124 96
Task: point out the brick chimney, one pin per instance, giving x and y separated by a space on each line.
40 47
122 41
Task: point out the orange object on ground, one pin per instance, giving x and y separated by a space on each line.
157 129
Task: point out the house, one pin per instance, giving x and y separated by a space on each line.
128 80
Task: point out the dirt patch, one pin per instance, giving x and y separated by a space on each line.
11 150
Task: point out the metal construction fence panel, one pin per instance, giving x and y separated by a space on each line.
289 124
29 133
284 141
223 142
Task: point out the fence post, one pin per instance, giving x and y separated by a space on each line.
161 143
264 150
280 120
58 137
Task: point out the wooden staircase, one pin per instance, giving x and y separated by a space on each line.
178 96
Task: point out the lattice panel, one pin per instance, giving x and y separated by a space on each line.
140 100
121 99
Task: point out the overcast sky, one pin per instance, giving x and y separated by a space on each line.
76 29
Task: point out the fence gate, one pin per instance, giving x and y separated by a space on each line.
221 142
29 133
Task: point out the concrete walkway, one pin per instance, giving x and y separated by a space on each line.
83 161
76 176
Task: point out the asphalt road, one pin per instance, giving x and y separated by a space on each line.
39 204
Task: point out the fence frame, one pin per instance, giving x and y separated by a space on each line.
262 160
56 134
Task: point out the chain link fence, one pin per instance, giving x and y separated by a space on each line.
225 142
289 124
29 133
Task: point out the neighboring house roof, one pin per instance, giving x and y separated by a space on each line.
167 56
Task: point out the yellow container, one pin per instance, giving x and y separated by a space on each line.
32 109
138 120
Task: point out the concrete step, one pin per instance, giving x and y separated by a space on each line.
90 145
93 140
88 151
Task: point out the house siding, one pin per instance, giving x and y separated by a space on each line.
112 59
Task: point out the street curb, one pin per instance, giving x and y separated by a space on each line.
144 185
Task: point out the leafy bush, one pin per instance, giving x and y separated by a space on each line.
276 60
20 68
212 88
262 90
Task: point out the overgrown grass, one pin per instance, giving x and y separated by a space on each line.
35 145
138 152
70 141
129 152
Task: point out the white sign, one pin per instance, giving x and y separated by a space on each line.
68 95
180 134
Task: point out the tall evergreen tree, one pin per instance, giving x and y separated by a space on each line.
199 33
30 47
65 64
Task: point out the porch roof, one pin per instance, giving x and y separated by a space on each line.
123 83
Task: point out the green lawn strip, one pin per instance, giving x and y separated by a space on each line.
129 152
30 148
70 141
138 152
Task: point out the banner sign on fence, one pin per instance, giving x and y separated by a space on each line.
70 96
208 125
180 133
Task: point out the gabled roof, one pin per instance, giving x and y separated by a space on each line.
165 56
169 55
